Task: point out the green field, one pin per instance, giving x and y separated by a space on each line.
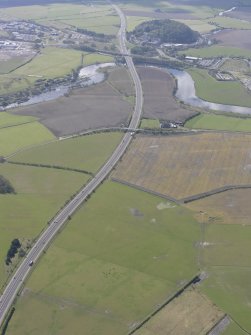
40 193
8 120
52 62
84 152
219 122
228 22
130 252
199 25
216 51
210 89
236 65
19 137
150 123
227 261
11 64
90 59
134 21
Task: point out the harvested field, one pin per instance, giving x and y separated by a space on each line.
190 313
231 207
87 108
159 103
185 165
235 38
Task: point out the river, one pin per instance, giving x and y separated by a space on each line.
186 93
88 75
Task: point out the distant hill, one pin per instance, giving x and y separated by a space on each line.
164 31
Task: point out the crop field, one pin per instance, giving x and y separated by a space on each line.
190 313
217 51
235 38
39 195
231 207
96 106
130 253
210 89
9 120
121 81
185 165
85 152
159 103
50 63
219 122
12 139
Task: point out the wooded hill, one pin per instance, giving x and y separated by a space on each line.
164 31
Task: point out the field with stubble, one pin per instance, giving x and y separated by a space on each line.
159 102
185 165
190 313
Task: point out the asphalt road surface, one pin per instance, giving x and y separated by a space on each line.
16 282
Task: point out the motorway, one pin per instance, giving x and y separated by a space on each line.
16 282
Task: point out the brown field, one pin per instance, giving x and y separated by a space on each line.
241 13
172 15
189 314
184 165
92 107
231 207
235 38
120 79
159 103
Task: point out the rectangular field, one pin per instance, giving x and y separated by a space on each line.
117 259
85 152
219 122
184 165
191 313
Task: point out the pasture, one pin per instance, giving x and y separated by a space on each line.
9 120
150 123
51 62
219 122
15 138
223 92
130 253
236 65
228 22
217 51
93 58
226 259
85 152
40 193
159 102
190 313
180 166
96 106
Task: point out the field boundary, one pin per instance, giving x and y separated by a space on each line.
116 180
194 280
51 167
213 192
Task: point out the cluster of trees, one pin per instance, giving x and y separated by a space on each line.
165 31
15 245
5 186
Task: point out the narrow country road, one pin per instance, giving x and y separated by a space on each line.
16 282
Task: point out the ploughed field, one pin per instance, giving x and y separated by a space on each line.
235 38
159 102
98 106
181 166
